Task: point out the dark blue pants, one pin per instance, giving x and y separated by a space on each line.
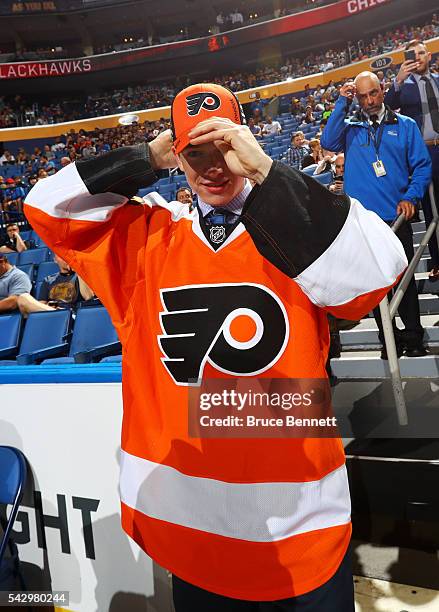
336 595
426 205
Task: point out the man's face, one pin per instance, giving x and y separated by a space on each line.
184 196
423 58
298 140
208 175
4 266
370 95
339 166
12 230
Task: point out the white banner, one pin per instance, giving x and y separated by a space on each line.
68 529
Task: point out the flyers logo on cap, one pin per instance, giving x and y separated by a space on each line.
207 100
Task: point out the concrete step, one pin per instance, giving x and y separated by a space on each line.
424 265
361 339
369 365
428 304
418 226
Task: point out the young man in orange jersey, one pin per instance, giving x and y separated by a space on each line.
251 524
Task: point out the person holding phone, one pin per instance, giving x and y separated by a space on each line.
337 185
387 168
415 91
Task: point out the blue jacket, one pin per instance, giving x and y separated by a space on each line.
408 98
402 151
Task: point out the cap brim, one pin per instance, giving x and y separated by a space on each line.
182 141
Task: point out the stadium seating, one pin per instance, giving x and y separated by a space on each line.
28 269
46 334
10 329
325 178
93 337
33 256
12 258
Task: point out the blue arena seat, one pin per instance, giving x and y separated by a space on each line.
10 329
93 337
45 269
35 256
12 258
325 178
28 269
112 359
309 170
13 472
46 334
26 235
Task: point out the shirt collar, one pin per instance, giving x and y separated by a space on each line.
380 114
418 77
235 205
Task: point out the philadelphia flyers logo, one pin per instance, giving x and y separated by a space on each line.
240 329
196 102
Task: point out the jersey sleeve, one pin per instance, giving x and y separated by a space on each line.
344 257
83 214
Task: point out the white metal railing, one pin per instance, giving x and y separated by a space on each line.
388 311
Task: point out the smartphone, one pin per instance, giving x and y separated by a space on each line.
410 55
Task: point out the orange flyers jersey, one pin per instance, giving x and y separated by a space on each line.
256 519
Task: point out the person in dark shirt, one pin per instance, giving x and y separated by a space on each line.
13 243
64 289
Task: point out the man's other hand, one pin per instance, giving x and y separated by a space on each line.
348 90
242 153
407 208
160 151
407 68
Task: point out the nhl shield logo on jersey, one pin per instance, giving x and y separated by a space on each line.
207 100
217 234
240 329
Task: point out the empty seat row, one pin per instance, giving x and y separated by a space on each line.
31 256
47 337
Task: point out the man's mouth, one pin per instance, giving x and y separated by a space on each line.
216 187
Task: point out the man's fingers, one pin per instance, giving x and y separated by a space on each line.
212 135
210 124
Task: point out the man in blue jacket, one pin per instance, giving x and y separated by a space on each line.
388 169
415 91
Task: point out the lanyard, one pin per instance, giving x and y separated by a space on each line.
376 138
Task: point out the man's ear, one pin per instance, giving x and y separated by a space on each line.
177 157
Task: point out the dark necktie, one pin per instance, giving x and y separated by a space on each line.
375 122
432 103
219 223
220 216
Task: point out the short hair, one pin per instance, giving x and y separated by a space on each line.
314 141
295 134
3 257
414 43
183 189
12 225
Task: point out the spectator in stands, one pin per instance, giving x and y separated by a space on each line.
64 289
236 19
297 151
254 128
184 195
7 158
315 155
13 283
65 161
271 128
416 92
308 117
337 175
327 110
13 243
12 196
388 170
326 163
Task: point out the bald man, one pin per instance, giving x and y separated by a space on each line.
388 169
